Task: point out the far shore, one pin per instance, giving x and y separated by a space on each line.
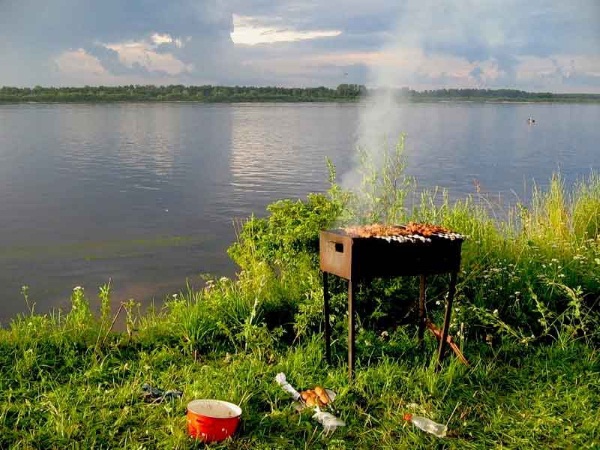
344 93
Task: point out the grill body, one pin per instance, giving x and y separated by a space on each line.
355 258
359 259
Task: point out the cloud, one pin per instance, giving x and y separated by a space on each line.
424 44
566 73
249 31
491 38
81 65
131 39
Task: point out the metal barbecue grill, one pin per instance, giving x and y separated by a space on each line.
359 259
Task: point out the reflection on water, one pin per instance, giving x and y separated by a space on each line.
283 148
146 195
149 138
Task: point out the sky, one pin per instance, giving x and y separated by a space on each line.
533 45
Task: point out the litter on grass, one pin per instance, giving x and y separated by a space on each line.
328 420
287 387
316 398
155 395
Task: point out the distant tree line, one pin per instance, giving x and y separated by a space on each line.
222 94
495 95
207 93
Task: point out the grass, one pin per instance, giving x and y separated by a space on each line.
63 397
526 316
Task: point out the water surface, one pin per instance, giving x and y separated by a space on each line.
147 195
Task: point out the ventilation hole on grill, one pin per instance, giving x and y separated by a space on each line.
339 247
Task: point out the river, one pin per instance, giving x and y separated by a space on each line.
148 195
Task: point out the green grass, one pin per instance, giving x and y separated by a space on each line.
65 395
526 316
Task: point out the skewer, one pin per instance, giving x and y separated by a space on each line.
438 334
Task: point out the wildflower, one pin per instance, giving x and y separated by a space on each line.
495 312
77 288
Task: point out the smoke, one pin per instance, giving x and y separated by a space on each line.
467 44
434 45
380 119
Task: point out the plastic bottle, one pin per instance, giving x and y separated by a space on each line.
428 425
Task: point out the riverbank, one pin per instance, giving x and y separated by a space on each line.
525 316
252 94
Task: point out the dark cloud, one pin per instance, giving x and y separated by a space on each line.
500 32
40 31
350 16
109 59
34 33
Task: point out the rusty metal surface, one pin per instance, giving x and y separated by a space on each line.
335 251
355 257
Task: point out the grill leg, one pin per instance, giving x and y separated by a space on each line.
326 314
422 317
447 315
351 289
